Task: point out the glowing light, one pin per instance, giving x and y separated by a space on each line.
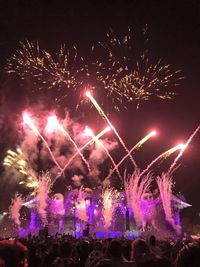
183 149
88 132
153 133
27 119
52 124
35 130
108 128
87 202
165 155
19 161
59 71
181 146
88 94
128 76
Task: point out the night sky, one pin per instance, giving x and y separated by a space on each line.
174 33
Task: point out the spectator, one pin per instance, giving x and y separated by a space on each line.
117 259
139 249
152 246
189 256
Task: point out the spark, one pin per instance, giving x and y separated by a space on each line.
27 120
137 146
94 139
183 149
129 74
67 135
52 124
19 161
164 155
103 115
47 70
100 143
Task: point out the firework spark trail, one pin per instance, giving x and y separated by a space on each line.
106 150
183 149
29 122
47 70
165 187
67 135
42 195
164 155
134 189
138 145
19 161
101 112
52 124
15 207
99 135
107 196
127 75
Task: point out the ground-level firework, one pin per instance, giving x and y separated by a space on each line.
104 212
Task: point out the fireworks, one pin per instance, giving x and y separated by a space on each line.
94 139
183 149
43 189
164 155
107 196
103 115
67 135
27 120
124 74
100 143
127 75
137 146
48 71
19 161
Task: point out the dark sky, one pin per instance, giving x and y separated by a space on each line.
174 31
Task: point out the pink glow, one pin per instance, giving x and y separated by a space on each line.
182 146
107 129
88 94
153 133
26 118
88 132
52 124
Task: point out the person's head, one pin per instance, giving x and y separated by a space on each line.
152 240
189 256
115 249
65 249
151 260
13 253
98 246
139 248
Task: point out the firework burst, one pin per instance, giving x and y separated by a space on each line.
60 72
18 160
128 75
